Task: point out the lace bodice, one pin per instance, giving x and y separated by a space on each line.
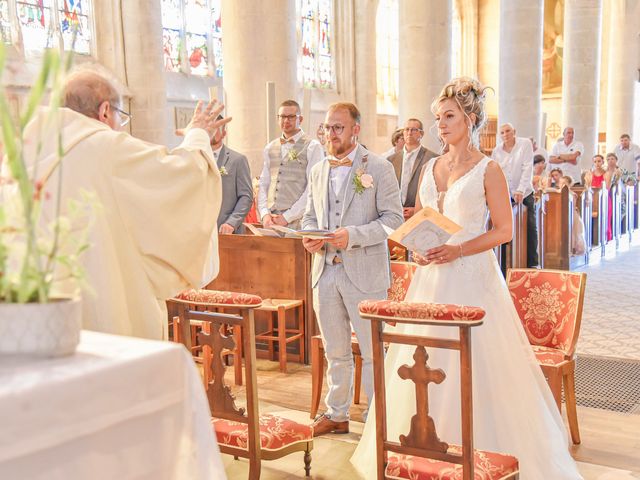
465 202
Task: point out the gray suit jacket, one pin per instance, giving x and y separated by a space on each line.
366 258
424 155
237 192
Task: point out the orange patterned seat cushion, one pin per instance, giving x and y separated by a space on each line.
547 303
216 297
488 466
549 356
401 276
275 432
423 311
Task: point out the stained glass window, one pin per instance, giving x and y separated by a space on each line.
316 40
47 24
191 30
387 51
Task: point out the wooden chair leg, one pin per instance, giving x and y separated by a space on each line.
206 357
317 374
272 355
301 330
307 461
237 356
282 338
570 404
177 334
357 384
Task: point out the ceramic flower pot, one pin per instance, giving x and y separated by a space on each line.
40 329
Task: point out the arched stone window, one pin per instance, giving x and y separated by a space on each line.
315 57
387 53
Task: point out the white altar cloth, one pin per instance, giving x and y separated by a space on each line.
119 408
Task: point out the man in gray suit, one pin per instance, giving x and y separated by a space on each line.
353 194
237 192
408 164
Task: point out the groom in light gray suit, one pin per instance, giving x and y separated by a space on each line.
352 193
237 192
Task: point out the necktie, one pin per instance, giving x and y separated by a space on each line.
334 162
286 140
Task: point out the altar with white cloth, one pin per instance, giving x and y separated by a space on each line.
120 407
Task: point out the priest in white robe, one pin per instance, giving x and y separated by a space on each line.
156 226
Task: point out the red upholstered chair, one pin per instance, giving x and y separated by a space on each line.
401 276
241 432
549 303
421 455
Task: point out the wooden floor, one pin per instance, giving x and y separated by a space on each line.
608 438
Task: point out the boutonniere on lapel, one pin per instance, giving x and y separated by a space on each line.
293 156
362 180
223 171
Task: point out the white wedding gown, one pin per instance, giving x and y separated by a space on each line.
514 411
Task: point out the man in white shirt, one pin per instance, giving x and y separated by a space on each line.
408 163
628 154
515 157
282 191
566 155
539 150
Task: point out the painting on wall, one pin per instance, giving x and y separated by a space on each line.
552 47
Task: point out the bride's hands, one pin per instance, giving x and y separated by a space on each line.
442 254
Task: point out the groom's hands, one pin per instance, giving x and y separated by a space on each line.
312 245
340 238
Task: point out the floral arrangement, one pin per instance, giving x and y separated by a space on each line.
223 171
362 180
34 255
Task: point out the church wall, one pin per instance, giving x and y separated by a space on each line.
488 49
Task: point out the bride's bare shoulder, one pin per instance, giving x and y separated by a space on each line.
493 173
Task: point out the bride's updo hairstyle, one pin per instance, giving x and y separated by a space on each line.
470 96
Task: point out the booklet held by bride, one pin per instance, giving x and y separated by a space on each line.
426 229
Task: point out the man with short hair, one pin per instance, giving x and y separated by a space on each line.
566 155
397 143
353 194
156 229
515 157
282 191
408 163
237 190
628 154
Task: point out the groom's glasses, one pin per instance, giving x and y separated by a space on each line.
337 129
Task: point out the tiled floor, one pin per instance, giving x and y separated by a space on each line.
611 317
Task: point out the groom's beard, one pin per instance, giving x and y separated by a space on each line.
341 148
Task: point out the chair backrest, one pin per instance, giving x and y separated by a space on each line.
422 439
401 276
549 304
239 308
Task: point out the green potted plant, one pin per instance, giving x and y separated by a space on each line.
35 255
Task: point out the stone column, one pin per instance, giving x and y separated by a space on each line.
624 49
581 72
425 60
365 60
259 45
143 61
519 102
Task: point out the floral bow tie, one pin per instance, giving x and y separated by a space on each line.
334 162
286 140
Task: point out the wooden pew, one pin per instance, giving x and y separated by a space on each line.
541 202
557 229
516 250
629 219
583 204
599 216
616 214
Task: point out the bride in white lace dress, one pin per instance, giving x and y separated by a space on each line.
514 411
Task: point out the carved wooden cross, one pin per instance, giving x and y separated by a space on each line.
218 393
422 433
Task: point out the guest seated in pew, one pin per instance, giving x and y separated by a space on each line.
540 178
136 260
595 177
578 240
554 178
613 174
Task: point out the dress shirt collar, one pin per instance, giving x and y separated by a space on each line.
295 138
